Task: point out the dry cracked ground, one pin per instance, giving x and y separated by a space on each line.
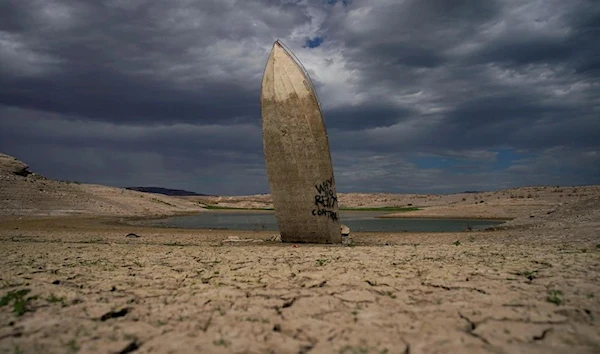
82 286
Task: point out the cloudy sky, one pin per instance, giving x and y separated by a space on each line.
418 95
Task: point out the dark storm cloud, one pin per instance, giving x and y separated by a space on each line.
410 33
173 138
571 45
148 92
207 158
492 71
140 61
511 119
526 51
365 116
111 96
585 23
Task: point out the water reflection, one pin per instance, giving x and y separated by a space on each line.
365 221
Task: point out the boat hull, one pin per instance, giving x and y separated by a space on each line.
297 155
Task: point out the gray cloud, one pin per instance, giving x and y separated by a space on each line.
167 93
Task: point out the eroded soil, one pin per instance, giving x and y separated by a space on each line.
94 290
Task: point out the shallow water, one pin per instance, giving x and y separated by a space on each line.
365 221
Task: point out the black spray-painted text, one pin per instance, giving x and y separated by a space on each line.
325 200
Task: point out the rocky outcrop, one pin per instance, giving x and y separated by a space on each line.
12 166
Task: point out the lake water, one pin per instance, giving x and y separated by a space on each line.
365 221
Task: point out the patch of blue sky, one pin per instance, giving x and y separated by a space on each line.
507 157
313 42
333 2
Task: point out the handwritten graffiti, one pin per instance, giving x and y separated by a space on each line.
326 197
325 200
332 214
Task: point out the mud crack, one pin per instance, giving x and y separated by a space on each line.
472 328
542 335
131 347
454 288
114 314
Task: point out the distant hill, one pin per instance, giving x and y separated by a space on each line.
24 192
166 191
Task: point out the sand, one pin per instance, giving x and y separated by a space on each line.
532 286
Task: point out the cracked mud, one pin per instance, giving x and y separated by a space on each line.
91 290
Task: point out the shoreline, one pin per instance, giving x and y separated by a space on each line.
117 224
168 226
139 221
447 217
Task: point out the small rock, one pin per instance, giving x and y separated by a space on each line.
345 230
131 234
275 238
238 239
56 282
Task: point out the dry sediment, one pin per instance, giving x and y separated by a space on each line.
532 288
